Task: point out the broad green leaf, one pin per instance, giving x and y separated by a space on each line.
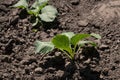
48 13
75 39
96 35
62 42
82 43
43 47
69 34
21 4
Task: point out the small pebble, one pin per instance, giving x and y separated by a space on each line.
50 69
24 62
57 53
5 75
60 73
87 61
32 59
38 70
103 47
101 76
48 57
82 23
82 57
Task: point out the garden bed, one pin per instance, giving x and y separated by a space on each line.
18 60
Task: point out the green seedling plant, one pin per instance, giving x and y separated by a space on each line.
39 9
67 42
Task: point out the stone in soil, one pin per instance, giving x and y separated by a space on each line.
38 70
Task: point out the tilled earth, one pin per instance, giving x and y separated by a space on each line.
18 60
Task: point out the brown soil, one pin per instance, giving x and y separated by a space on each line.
17 58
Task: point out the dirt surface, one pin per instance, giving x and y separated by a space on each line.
19 62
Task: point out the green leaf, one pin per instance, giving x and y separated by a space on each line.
47 17
68 34
49 8
82 43
39 3
43 47
48 13
75 39
62 42
37 6
33 11
42 3
21 4
96 35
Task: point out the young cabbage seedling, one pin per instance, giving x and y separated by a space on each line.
66 42
39 9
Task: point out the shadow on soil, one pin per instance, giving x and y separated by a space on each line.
80 69
84 66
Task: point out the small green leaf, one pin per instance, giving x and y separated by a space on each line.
68 34
39 3
96 35
62 42
75 39
43 47
82 43
42 3
48 13
34 11
21 4
37 6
